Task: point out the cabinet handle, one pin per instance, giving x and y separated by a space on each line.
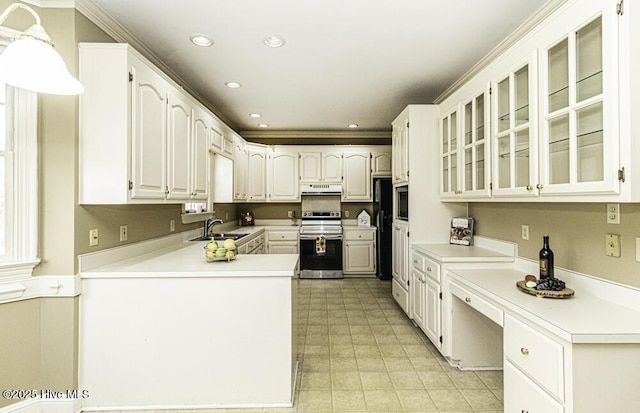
468 299
529 188
524 411
428 269
539 186
415 261
524 351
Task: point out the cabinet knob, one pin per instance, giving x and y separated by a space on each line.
524 411
539 186
359 236
415 261
529 187
468 299
524 351
428 269
458 191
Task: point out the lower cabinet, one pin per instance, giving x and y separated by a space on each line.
359 251
425 293
282 241
400 263
253 246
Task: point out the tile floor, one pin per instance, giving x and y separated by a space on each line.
359 352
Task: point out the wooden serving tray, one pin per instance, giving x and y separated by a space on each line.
566 293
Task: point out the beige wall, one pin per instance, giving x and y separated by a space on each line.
576 230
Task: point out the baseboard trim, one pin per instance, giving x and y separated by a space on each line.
38 405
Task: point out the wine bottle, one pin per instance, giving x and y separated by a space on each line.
546 259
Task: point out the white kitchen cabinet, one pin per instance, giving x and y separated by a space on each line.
257 173
283 177
474 154
282 241
356 183
417 292
179 146
217 141
359 251
381 164
579 105
515 132
400 261
240 170
139 139
200 140
321 167
400 149
449 176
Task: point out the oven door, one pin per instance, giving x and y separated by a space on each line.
323 264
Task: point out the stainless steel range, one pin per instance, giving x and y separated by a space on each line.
321 244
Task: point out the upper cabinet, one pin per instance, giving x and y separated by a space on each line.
356 185
381 164
400 150
554 111
257 173
579 110
142 139
321 167
283 176
240 169
515 136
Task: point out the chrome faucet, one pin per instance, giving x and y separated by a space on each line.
208 225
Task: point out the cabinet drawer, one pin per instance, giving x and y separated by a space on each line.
417 262
426 266
400 295
481 305
359 235
537 355
523 395
283 235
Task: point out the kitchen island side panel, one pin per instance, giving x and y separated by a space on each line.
187 342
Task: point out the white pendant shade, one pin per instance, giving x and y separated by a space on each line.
32 64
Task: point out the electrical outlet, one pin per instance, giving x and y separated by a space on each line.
290 214
346 214
172 225
525 232
613 213
123 233
612 245
93 237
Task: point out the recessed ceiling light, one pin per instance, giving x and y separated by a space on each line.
233 85
274 41
254 115
201 40
353 125
263 125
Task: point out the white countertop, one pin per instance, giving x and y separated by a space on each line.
582 318
445 253
188 260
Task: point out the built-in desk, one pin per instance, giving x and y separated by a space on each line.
577 355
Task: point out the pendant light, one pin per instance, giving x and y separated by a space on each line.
31 62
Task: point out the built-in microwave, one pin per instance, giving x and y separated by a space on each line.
402 203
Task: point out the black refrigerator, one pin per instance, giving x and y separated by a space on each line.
382 219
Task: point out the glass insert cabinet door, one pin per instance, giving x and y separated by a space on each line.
449 179
515 137
579 103
474 155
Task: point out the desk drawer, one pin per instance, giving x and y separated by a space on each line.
537 355
523 395
481 305
400 295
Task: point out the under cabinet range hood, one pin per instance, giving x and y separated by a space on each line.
321 189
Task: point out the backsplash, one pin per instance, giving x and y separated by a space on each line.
576 231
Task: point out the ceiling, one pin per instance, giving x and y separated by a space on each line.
344 61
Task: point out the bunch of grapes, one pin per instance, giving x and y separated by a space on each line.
548 283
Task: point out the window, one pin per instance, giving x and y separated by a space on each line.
18 183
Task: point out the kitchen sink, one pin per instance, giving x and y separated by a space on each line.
220 236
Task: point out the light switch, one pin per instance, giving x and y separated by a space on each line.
612 245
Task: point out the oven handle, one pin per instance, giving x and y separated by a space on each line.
313 237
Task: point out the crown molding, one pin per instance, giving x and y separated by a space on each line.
305 134
524 29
